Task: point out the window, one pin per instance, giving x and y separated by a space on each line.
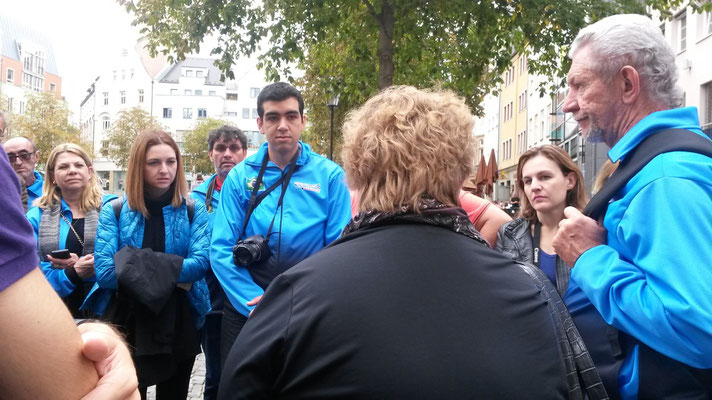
198 92
254 113
706 105
140 95
187 113
254 92
22 107
198 74
104 148
105 123
231 114
123 74
202 113
188 92
174 91
10 104
211 93
189 73
245 113
106 98
167 112
114 74
231 96
10 75
123 96
132 73
52 87
682 24
708 23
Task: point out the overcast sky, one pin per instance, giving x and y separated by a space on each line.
86 36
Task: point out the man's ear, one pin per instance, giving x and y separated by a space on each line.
630 84
259 125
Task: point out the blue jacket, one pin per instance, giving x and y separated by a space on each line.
315 209
57 277
34 191
652 279
188 240
217 294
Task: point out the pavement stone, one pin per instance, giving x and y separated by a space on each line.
197 381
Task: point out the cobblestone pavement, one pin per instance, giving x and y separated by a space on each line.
197 381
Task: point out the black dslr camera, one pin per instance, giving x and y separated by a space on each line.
250 251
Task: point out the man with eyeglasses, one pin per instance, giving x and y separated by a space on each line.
227 147
23 156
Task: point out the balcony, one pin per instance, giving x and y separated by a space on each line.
707 129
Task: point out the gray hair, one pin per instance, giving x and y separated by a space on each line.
635 40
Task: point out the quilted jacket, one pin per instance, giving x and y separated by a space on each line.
183 238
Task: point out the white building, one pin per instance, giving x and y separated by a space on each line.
690 36
178 95
539 113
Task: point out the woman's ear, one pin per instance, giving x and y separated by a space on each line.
570 180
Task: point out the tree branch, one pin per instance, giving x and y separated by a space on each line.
371 10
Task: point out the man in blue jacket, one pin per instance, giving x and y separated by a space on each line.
227 147
23 156
295 200
647 268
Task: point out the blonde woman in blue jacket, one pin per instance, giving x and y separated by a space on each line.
156 222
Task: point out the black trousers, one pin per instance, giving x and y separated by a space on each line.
211 349
232 324
176 387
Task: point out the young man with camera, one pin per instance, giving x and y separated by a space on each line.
278 207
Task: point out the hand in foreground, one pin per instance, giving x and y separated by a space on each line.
111 357
62 263
254 302
577 233
85 266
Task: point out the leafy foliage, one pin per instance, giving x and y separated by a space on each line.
195 146
123 133
357 47
46 123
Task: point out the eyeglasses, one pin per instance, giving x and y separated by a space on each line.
24 156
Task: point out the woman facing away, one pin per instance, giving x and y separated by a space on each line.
409 302
151 259
66 219
550 182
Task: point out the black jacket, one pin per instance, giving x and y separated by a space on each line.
514 240
400 311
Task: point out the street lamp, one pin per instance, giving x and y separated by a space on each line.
332 103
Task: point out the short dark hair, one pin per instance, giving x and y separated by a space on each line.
278 91
229 133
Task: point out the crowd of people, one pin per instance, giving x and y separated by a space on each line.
381 279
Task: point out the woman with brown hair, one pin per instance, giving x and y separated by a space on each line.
550 182
152 256
65 223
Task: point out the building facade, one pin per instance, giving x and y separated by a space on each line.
27 65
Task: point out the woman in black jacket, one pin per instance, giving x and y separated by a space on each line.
410 301
550 182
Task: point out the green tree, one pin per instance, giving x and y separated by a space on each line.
195 146
46 122
123 132
357 47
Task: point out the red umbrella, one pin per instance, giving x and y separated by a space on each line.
491 173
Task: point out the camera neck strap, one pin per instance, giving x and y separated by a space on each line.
255 200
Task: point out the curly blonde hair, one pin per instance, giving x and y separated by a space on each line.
51 194
404 143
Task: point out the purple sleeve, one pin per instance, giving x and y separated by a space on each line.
18 254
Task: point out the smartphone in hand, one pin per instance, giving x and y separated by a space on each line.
62 254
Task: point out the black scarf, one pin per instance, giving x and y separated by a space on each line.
431 212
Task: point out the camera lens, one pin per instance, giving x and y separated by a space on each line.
243 255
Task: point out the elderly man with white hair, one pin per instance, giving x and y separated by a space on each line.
646 267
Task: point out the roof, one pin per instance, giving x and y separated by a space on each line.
12 32
173 73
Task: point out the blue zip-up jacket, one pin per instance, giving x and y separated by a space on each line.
653 279
316 208
34 191
217 294
184 239
58 277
